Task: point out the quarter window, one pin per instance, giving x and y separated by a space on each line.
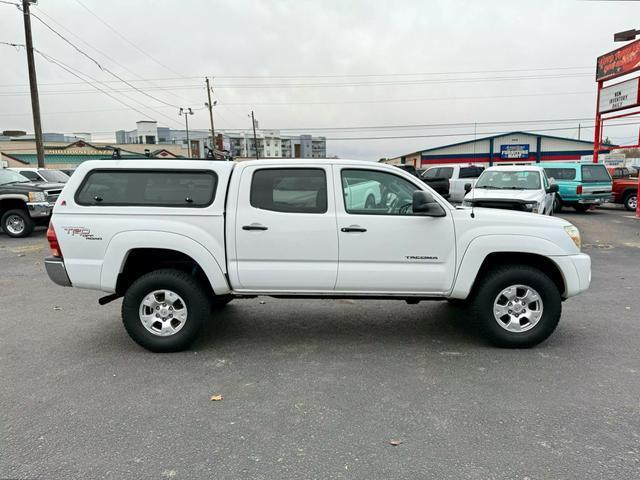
290 190
370 192
166 188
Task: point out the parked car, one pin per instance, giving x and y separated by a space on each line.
25 204
174 237
68 171
513 187
582 185
625 187
42 174
452 179
408 168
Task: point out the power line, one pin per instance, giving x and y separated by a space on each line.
110 27
82 52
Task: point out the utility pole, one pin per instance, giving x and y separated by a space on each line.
255 139
579 131
186 111
33 83
210 106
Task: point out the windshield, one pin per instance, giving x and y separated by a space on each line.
9 176
54 176
509 180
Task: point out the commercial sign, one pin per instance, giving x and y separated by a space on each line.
619 96
619 62
514 151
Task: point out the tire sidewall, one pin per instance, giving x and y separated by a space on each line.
507 276
182 284
627 199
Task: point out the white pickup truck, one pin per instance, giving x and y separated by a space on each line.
176 238
451 179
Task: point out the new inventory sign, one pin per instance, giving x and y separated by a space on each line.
619 62
619 96
514 151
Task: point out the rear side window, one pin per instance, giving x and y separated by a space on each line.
290 190
595 173
153 188
470 172
561 173
33 176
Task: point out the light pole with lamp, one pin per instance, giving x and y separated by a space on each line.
186 111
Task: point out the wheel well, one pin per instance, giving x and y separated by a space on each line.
140 261
628 191
539 262
10 204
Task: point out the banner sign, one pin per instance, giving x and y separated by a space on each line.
619 96
619 62
514 151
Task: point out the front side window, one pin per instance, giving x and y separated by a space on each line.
431 173
445 172
509 180
595 173
167 188
371 192
289 190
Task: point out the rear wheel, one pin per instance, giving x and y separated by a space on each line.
517 306
581 207
630 201
164 310
17 223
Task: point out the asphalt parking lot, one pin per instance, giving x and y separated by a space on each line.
319 389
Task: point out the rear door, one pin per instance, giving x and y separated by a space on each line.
285 229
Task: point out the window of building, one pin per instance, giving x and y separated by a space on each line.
154 188
372 192
291 190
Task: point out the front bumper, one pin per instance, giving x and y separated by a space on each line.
40 209
576 272
57 271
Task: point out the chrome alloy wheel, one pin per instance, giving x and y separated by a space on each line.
517 308
15 224
163 312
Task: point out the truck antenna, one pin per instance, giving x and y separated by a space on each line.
475 131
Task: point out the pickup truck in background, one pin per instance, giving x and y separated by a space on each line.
179 238
449 181
625 187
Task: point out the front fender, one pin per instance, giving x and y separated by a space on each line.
479 248
121 244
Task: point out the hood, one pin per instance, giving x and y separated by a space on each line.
525 195
27 187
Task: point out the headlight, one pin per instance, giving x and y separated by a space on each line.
36 197
532 207
574 233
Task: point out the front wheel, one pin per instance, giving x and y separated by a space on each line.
631 202
164 310
17 223
557 204
517 306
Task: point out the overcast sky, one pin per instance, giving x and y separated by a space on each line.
531 61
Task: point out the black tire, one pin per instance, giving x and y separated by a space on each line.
196 300
27 221
630 201
495 282
581 207
557 204
458 303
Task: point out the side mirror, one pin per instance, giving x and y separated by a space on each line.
553 188
425 205
467 188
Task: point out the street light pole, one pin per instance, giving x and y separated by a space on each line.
33 83
186 111
255 138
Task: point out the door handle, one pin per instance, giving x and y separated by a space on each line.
353 228
254 226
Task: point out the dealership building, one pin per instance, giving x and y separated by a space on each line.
506 147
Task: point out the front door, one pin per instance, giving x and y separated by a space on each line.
286 236
383 246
